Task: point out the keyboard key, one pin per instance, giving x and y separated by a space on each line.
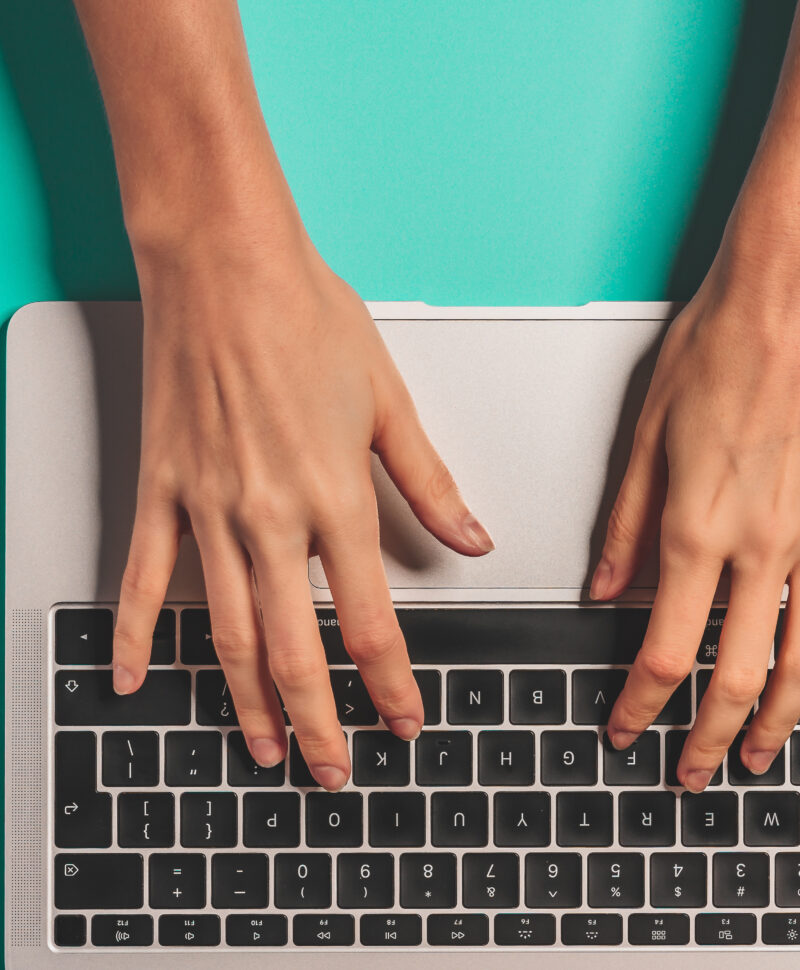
365 880
84 636
239 880
569 758
271 819
130 759
430 687
780 929
678 709
615 880
647 818
658 929
537 696
594 693
380 758
208 819
82 814
490 880
334 930
524 929
522 818
459 818
194 930
741 879
673 746
86 697
353 703
709 818
197 644
725 929
772 818
99 880
505 758
177 880
334 819
794 758
584 818
427 880
553 880
394 929
468 929
302 880
244 772
69 930
163 648
145 820
299 774
444 758
603 929
256 929
475 697
128 930
739 775
709 645
193 758
640 764
678 880
213 698
787 879
397 819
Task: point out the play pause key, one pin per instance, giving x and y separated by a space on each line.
312 930
256 929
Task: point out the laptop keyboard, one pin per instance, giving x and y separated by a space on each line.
510 821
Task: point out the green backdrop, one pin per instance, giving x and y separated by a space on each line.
453 151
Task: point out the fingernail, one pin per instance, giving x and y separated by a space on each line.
696 781
330 777
476 534
623 739
266 752
759 761
405 727
124 681
601 580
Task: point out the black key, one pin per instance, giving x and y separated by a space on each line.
537 696
772 818
99 880
177 880
380 758
335 930
82 814
299 774
256 929
430 687
658 929
146 819
709 818
780 929
69 930
584 818
490 880
195 930
427 880
594 693
302 880
741 879
602 929
725 929
678 709
673 746
444 758
505 758
334 819
739 775
163 649
208 819
128 930
239 880
244 772
213 696
647 818
365 880
459 818
475 697
197 644
88 697
794 758
553 880
707 652
640 764
787 879
394 929
524 929
678 880
353 703
193 758
271 819
615 880
84 636
702 682
569 758
469 929
397 819
130 759
522 818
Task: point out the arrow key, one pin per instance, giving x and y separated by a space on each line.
84 636
312 930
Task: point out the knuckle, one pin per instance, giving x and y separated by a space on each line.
139 582
318 743
619 532
347 508
737 686
292 667
440 482
374 645
126 641
234 644
667 668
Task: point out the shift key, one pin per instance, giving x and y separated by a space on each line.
87 697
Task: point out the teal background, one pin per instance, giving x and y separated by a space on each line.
469 152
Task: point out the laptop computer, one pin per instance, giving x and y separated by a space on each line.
139 831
